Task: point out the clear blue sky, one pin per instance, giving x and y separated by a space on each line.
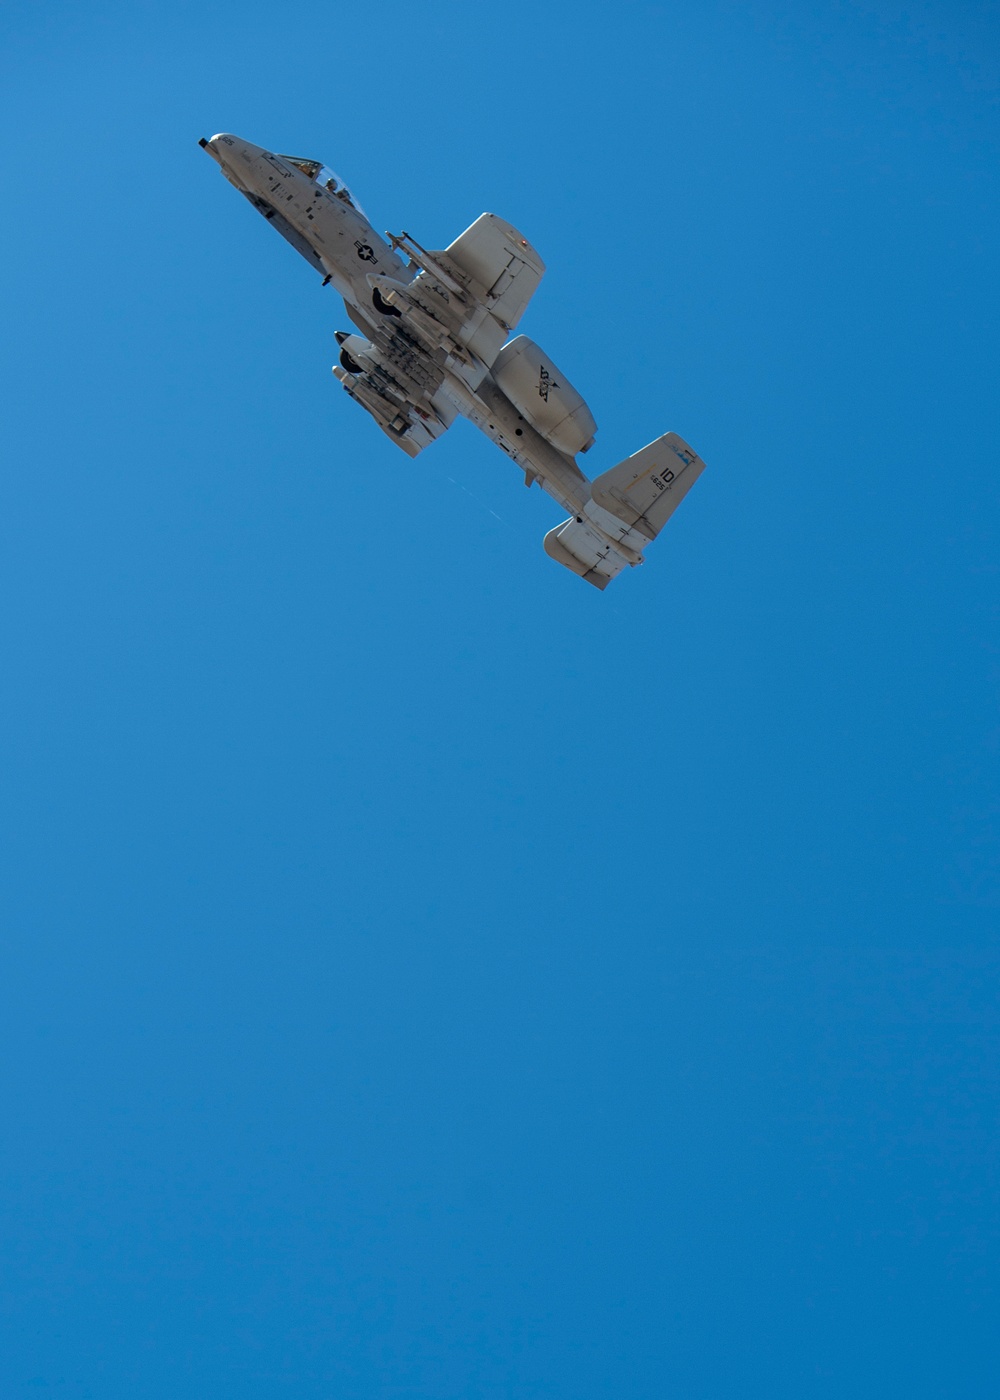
423 977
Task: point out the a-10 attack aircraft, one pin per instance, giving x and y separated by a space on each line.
432 341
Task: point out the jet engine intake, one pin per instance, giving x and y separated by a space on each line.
382 306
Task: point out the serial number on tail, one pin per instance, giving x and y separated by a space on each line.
662 480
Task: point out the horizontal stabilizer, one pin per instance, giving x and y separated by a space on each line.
629 506
585 551
646 489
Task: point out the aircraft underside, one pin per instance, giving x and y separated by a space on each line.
432 341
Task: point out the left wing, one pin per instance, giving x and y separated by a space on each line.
503 267
477 288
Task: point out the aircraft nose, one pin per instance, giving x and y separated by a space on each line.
223 145
227 149
236 158
214 147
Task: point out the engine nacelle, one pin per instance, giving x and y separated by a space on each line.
544 396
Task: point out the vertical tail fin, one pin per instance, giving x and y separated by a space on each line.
629 506
646 489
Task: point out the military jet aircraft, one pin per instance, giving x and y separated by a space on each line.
432 341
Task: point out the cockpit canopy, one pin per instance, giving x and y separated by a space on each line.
325 177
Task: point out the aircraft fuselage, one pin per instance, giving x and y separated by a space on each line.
435 342
341 242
